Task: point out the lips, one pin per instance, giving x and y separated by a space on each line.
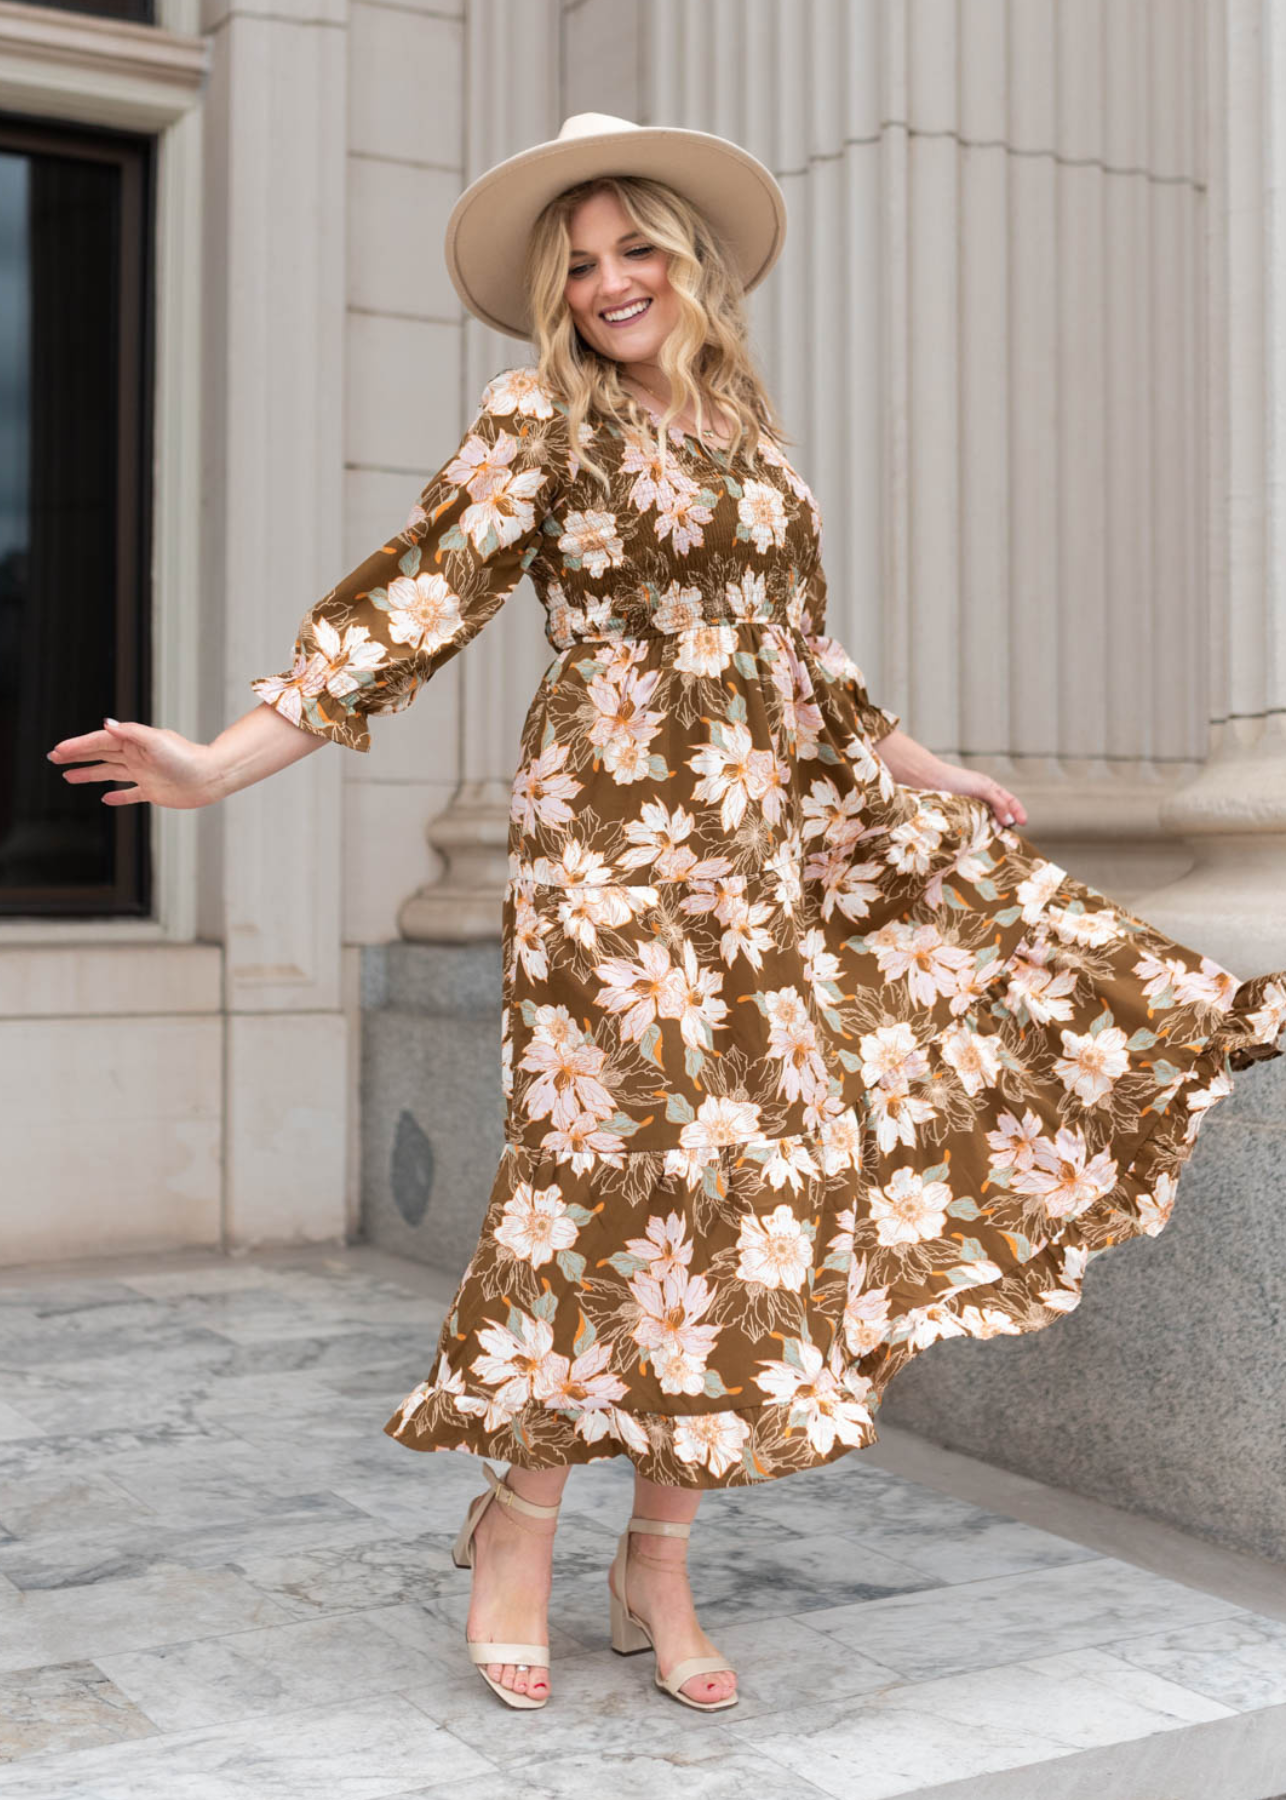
616 324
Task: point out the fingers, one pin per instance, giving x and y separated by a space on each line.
1009 810
89 743
99 771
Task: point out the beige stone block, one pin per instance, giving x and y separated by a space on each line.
397 215
406 81
45 980
287 1125
403 394
386 855
111 1136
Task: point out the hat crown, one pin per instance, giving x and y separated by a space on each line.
593 124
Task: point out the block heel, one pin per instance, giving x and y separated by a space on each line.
630 1633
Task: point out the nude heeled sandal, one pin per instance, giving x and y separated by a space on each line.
480 1649
630 1633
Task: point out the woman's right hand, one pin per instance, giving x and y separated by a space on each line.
170 770
166 768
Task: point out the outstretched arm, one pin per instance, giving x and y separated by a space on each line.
168 769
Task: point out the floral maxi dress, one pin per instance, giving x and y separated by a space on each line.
804 1069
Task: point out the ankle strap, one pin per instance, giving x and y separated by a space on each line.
661 1527
507 1497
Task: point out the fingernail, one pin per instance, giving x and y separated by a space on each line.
111 721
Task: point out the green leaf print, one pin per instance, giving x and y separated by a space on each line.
678 1108
585 1338
714 1387
745 664
648 1043
736 709
964 1208
410 563
546 1307
1102 1022
1143 1039
572 1264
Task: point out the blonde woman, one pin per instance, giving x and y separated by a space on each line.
810 1057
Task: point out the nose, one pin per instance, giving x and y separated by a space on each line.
613 278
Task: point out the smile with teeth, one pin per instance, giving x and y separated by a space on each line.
621 315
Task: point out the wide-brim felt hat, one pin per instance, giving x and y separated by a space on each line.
487 232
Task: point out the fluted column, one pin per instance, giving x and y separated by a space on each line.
512 58
1232 903
984 334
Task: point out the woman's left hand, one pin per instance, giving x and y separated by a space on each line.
1008 808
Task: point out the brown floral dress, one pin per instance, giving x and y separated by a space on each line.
804 1069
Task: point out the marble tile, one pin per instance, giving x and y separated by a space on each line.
95 1334
789 1665
81 1558
64 1504
705 1772
305 1662
369 1750
1022 1714
757 1581
948 1629
15 1424
48 1291
1240 1661
166 1605
377 1571
597 1710
83 1451
122 1396
64 1706
219 1275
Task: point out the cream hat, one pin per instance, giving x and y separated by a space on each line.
489 225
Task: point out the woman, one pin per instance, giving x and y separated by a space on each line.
811 1059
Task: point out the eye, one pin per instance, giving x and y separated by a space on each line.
578 269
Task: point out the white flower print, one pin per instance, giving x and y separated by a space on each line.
776 1251
761 515
908 1209
591 541
1091 1062
423 612
713 1439
536 1224
1064 1176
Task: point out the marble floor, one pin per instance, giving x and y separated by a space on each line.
220 1580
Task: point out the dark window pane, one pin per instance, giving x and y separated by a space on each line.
142 12
73 409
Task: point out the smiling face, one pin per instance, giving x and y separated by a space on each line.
612 268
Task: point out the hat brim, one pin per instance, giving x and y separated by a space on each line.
487 232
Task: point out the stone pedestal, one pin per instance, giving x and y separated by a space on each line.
432 1107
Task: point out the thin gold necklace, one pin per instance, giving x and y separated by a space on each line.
661 403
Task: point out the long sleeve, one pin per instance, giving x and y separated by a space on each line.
835 662
370 644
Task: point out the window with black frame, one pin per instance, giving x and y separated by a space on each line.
75 505
137 12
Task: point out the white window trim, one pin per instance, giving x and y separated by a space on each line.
84 70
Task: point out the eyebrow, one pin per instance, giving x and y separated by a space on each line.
623 239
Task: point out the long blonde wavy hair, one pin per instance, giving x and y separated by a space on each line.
706 358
